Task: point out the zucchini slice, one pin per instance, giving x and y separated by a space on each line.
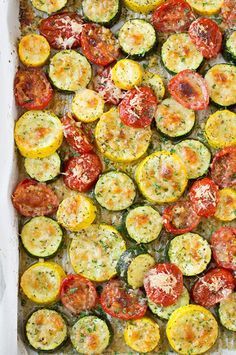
38 134
34 50
49 6
227 312
137 38
43 169
192 330
165 312
155 82
119 142
69 70
133 264
220 129
41 237
226 207
41 282
195 155
105 12
190 252
142 335
206 7
174 120
221 82
87 105
46 330
230 47
143 6
161 177
179 53
76 212
143 224
95 251
127 74
115 191
90 335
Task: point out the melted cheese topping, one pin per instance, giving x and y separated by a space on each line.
155 82
41 282
206 7
127 74
69 70
162 281
227 312
100 11
179 53
95 251
49 6
87 105
43 169
221 129
34 50
46 329
161 177
119 142
143 6
221 82
192 330
190 252
38 134
226 207
138 268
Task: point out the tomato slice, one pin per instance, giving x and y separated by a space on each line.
204 197
190 90
121 302
206 36
138 107
63 30
223 167
173 16
223 243
228 12
180 218
213 287
75 136
99 44
104 85
164 284
32 198
32 89
81 173
78 294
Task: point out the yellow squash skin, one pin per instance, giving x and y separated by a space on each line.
127 74
226 206
34 50
206 7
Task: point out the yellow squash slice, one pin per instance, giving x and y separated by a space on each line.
155 82
87 105
49 6
143 6
34 50
206 7
127 74
226 207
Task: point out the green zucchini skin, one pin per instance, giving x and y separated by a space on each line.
229 53
109 23
228 319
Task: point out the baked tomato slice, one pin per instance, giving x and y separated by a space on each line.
223 167
32 198
180 217
78 294
190 90
213 287
32 89
99 44
163 284
121 302
204 197
223 243
138 107
104 85
228 12
173 16
63 30
206 36
75 136
81 173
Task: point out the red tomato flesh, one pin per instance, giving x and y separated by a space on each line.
164 284
81 173
138 107
78 294
190 90
223 167
32 89
173 16
120 302
223 243
213 287
32 198
63 30
204 197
